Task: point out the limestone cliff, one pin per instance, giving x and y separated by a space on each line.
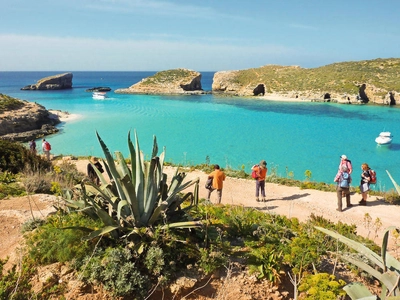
374 81
56 82
23 120
176 81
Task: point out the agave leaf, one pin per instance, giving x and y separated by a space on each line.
151 190
132 152
360 248
122 167
362 265
139 175
358 291
112 168
129 191
397 187
155 147
389 261
190 224
102 231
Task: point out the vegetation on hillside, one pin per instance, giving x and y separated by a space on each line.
344 77
127 236
167 76
9 103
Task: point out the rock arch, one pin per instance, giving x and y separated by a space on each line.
259 90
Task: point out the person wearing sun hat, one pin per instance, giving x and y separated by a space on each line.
261 171
344 161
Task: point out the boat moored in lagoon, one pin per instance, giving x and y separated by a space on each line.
384 138
99 95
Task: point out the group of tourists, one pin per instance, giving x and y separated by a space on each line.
343 179
46 147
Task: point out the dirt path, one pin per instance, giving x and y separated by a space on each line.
283 200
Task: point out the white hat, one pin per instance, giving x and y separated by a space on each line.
343 157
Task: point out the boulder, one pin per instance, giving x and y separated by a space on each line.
27 121
176 81
56 82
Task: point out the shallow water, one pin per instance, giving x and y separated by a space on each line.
233 132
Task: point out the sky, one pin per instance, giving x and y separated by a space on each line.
206 35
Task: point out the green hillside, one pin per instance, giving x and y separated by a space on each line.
344 77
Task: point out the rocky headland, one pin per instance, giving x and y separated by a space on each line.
372 81
23 121
177 81
56 82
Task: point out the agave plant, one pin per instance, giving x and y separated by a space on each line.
383 267
136 196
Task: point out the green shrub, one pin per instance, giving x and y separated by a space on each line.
116 270
321 286
54 242
15 284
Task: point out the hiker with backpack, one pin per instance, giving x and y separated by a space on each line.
343 179
259 172
365 182
344 161
46 147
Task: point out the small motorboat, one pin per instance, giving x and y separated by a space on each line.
384 138
99 95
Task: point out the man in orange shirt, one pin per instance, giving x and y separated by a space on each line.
218 177
261 171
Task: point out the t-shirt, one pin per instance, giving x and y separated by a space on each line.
218 178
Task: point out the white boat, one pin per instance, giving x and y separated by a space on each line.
384 138
99 95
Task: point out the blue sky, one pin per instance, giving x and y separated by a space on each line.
207 35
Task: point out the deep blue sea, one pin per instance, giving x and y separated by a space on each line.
232 132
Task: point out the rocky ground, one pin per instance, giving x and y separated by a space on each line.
370 220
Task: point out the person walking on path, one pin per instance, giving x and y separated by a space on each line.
261 171
218 177
364 184
46 147
343 179
32 146
91 172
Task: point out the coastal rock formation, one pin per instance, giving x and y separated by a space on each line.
56 82
373 81
176 81
26 121
99 89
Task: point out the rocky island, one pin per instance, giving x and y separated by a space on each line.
56 82
177 81
22 120
375 81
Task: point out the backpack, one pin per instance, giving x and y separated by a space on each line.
47 146
372 173
254 174
344 180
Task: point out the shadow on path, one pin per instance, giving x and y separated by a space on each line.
292 197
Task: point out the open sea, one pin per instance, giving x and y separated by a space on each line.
229 131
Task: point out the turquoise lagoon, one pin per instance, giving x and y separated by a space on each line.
232 132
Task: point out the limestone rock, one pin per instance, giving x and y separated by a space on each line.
99 89
27 121
176 81
56 82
